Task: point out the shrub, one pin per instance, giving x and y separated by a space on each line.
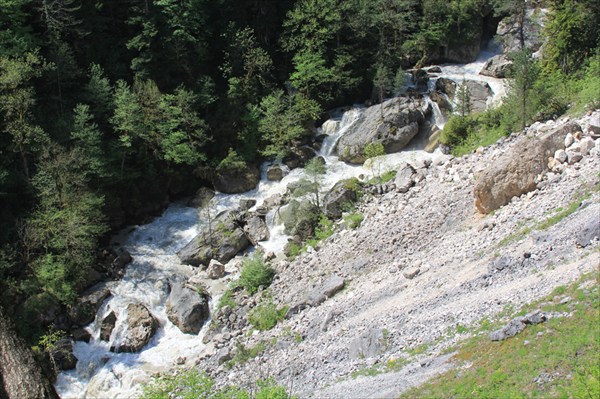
266 315
456 130
255 274
232 162
353 220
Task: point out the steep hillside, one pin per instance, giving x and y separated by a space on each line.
423 271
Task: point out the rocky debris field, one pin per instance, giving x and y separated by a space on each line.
425 267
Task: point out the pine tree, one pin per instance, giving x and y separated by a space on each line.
463 99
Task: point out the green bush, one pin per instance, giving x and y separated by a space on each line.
255 274
266 315
457 129
353 220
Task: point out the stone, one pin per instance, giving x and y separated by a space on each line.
569 139
573 156
201 198
515 172
215 270
497 67
107 325
588 232
510 330
502 262
223 355
298 157
404 177
535 317
236 180
594 127
369 344
81 334
401 121
141 326
86 307
338 198
187 308
446 86
62 354
586 145
247 203
560 156
257 229
329 288
442 101
411 273
509 33
479 93
276 172
222 242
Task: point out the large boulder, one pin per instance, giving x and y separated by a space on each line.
107 326
256 228
340 196
84 311
497 67
298 157
300 218
141 326
404 177
201 198
509 31
187 308
515 172
479 93
222 241
400 122
236 180
446 86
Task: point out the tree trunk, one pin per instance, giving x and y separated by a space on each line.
20 375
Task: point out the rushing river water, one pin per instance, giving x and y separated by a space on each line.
104 374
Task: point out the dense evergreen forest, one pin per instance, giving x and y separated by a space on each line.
111 108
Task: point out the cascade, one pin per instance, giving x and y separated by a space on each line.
101 373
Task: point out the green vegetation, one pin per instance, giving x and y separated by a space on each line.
353 220
243 354
558 358
227 300
255 273
192 384
266 315
380 368
372 150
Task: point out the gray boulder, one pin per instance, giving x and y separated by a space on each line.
84 311
215 270
298 157
201 198
404 177
141 326
236 180
509 27
369 344
516 325
107 326
221 242
187 308
589 232
514 173
257 229
275 173
402 118
340 195
497 67
446 86
479 93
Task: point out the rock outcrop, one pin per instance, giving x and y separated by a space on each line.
516 171
141 326
187 308
256 228
84 311
497 67
401 121
341 195
221 242
236 180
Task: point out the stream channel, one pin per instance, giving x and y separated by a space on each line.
101 373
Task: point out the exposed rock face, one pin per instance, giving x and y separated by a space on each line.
446 86
85 310
479 92
404 177
497 67
202 197
340 195
141 326
401 120
275 173
222 243
300 218
298 157
517 325
187 308
508 31
319 294
20 375
257 229
515 172
232 181
370 344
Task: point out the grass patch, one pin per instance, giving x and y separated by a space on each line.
353 220
266 315
243 353
227 300
255 273
387 367
561 362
